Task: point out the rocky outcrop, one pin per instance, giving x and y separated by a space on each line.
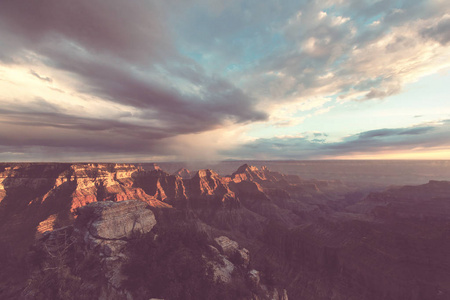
222 270
231 249
114 220
234 259
105 227
102 230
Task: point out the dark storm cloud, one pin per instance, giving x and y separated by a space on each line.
47 126
42 123
217 100
133 31
393 139
122 52
26 129
36 106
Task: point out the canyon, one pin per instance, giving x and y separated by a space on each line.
132 231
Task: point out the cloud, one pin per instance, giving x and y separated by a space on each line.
427 137
439 31
132 32
127 77
394 132
339 53
123 52
212 101
116 53
44 78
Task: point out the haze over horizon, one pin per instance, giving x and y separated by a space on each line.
142 81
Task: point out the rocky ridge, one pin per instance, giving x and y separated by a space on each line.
318 239
183 173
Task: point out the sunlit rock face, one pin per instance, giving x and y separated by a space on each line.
100 182
40 197
46 225
183 173
161 185
208 183
207 189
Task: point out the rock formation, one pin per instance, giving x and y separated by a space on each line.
102 230
255 232
107 232
183 173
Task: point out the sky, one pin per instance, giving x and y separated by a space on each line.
141 81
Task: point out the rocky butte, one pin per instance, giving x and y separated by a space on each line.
120 231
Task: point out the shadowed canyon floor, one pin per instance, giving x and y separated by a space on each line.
122 231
